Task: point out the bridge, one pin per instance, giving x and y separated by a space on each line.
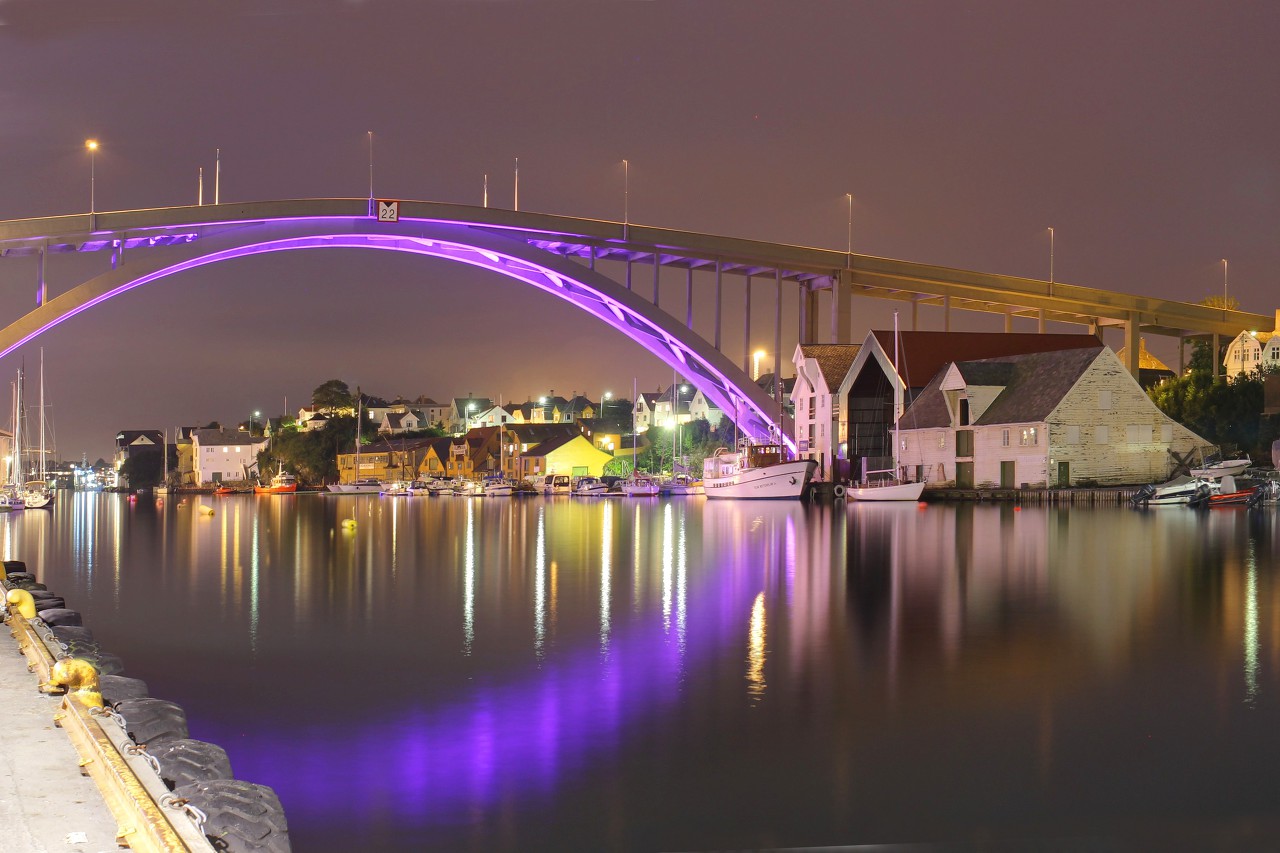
609 269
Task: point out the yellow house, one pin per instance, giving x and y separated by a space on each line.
573 456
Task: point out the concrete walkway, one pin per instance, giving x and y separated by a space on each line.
45 804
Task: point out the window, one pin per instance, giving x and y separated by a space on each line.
1104 400
1138 433
1166 433
1004 438
1073 434
942 440
1028 437
1102 434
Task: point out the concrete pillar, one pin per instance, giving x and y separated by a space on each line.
808 315
719 293
777 338
1040 321
628 275
657 259
688 298
1132 345
591 259
841 307
746 331
915 313
1008 321
946 313
1217 363
41 288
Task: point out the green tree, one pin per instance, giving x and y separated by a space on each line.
332 395
1225 412
143 470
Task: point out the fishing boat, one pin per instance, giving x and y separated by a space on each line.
756 471
281 484
889 485
640 486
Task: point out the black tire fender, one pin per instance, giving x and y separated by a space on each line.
241 817
185 761
148 720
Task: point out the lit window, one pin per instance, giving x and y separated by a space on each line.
1028 437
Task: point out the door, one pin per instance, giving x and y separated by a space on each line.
964 475
1064 474
1007 475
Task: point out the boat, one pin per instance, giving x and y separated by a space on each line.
589 487
35 493
1215 468
225 490
640 486
463 487
1232 493
1179 491
395 489
682 484
281 484
363 486
497 487
553 484
756 471
889 485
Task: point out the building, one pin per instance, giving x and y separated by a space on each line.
644 408
1039 419
387 459
569 454
700 408
223 455
463 410
673 405
873 391
820 368
1151 370
1250 351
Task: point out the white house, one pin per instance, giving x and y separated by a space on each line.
820 370
1251 351
700 408
1040 419
673 406
219 455
492 416
644 406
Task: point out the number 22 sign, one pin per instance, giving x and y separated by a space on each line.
388 211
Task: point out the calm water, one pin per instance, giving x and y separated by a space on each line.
559 674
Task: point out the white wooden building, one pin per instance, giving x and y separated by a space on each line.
1039 419
219 455
820 370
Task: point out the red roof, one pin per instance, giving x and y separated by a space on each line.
923 354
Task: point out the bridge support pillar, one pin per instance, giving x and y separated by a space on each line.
746 333
841 307
41 290
1132 345
946 313
915 313
657 264
1182 353
808 315
1040 321
1008 321
688 298
1213 356
719 302
777 340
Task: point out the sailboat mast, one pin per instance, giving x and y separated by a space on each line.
897 379
42 444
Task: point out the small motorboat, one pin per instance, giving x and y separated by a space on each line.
1179 491
497 487
640 486
1215 468
1232 494
590 487
682 484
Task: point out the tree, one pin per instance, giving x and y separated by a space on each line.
143 470
1225 412
332 395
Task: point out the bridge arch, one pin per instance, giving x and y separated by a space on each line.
726 385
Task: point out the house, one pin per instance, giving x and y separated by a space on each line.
493 416
463 410
1039 419
387 459
872 391
435 414
521 438
672 405
130 442
1251 351
700 408
394 423
435 458
474 454
820 368
570 454
574 408
222 455
645 403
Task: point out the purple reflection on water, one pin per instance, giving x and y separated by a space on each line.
434 765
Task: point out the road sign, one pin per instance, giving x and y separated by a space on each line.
388 211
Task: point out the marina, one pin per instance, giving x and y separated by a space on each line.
981 656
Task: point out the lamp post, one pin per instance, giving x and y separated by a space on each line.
252 418
607 395
92 145
755 363
471 407
1051 256
626 192
849 243
1224 284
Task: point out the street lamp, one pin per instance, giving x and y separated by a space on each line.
626 192
471 407
252 417
755 363
1224 283
607 395
92 145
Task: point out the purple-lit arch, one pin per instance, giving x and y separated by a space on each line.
726 385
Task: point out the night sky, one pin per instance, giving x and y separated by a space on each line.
1144 132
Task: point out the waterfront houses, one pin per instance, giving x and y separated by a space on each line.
1039 419
220 455
571 454
820 368
386 459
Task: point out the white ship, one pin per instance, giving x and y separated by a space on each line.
756 471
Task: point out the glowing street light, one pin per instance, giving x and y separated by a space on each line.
755 363
92 146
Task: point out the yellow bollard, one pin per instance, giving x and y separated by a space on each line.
21 600
79 678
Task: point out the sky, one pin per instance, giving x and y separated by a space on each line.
1142 132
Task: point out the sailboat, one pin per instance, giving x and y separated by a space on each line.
892 488
36 493
358 485
11 495
163 488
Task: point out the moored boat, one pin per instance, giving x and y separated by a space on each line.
590 487
1232 493
1217 468
682 484
497 487
282 483
756 471
640 486
1179 491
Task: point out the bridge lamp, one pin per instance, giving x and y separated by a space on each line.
92 146
755 363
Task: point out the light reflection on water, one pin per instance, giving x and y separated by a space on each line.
523 674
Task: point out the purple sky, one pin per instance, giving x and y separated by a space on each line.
1142 131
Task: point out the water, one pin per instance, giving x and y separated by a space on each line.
680 674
